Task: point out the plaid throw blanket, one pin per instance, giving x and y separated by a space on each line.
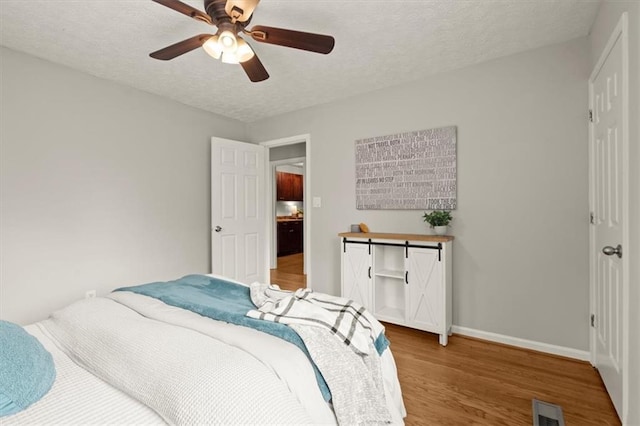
346 319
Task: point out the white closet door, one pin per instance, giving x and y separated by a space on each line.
609 234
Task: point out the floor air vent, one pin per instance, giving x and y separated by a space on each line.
545 414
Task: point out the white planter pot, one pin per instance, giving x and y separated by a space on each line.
440 230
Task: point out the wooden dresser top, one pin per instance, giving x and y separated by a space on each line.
403 237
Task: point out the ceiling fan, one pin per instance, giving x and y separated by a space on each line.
231 17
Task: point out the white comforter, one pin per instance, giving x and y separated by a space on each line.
184 376
282 358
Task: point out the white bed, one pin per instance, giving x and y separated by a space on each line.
131 359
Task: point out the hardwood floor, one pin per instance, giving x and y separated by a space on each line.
289 274
475 382
472 381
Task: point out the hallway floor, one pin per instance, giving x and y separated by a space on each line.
290 272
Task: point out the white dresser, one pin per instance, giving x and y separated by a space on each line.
403 279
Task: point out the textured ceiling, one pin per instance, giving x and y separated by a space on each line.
378 44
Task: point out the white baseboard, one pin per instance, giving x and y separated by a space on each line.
522 343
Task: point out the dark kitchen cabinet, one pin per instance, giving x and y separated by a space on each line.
289 187
290 237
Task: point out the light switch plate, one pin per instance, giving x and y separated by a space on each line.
317 202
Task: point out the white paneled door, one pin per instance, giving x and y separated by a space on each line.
238 223
609 236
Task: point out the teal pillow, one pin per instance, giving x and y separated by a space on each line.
27 371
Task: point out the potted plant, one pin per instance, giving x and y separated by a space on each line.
438 220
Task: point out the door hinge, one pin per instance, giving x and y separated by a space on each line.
592 218
593 320
591 115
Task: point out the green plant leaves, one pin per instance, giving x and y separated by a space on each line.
438 218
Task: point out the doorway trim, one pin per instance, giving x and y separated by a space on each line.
269 206
620 32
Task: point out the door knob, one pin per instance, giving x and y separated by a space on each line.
218 229
608 250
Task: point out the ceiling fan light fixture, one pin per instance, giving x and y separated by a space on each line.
227 41
244 52
229 58
213 47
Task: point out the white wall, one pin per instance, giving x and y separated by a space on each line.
290 168
101 186
608 17
284 152
521 227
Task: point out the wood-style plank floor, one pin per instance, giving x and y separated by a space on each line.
289 273
475 382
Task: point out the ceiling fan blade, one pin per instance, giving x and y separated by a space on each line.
297 39
185 9
180 47
254 69
241 10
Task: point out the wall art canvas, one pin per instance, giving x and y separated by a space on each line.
405 171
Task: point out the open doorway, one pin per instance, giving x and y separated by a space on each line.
288 272
289 222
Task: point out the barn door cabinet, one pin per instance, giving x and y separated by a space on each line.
403 279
